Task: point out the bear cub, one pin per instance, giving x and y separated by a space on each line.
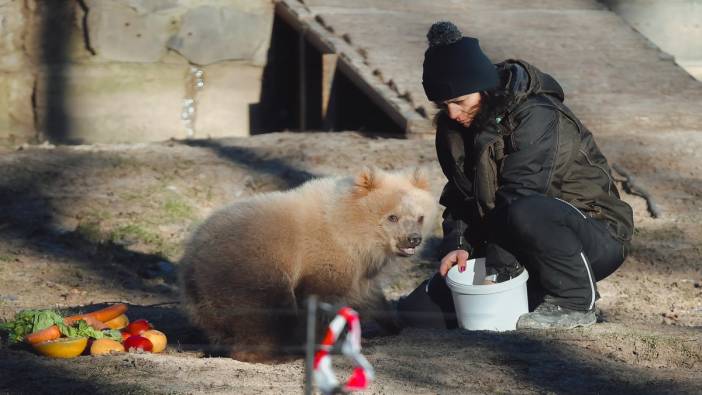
248 269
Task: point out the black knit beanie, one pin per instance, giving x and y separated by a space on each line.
455 65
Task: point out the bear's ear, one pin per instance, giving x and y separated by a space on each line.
420 179
365 181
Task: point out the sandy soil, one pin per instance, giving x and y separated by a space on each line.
86 225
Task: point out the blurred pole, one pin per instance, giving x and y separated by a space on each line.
311 343
56 18
303 80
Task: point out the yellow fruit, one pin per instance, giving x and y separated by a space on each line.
65 347
157 338
118 322
105 346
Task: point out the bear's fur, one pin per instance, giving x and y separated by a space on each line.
249 268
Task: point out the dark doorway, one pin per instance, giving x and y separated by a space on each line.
281 106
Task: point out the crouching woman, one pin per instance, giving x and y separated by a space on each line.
527 187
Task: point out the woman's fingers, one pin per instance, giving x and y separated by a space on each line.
462 259
459 257
446 263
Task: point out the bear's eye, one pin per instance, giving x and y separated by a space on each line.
393 218
421 219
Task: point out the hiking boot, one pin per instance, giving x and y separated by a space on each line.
551 316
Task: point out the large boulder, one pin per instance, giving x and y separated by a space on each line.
118 70
224 103
128 31
203 32
16 79
137 102
111 102
149 6
12 32
231 30
16 112
54 33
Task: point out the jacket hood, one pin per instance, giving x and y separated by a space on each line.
519 80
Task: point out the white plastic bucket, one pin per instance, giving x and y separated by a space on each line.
493 307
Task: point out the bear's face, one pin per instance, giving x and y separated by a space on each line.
402 206
403 225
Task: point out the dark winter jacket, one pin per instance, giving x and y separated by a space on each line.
524 142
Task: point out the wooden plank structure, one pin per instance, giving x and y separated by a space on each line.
339 54
614 78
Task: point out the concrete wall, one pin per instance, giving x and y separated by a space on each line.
673 25
130 70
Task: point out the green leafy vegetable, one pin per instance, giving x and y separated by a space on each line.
82 329
29 321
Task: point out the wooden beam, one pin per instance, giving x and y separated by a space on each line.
353 66
329 61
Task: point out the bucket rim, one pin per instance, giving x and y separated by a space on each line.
484 289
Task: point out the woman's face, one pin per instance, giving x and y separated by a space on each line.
463 109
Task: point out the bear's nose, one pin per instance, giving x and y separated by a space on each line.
414 239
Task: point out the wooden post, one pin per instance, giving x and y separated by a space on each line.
329 61
310 346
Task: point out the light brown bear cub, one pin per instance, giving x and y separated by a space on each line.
248 269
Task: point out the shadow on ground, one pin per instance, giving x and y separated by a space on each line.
28 216
30 208
29 374
287 174
529 361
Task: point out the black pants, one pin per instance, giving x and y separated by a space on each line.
564 251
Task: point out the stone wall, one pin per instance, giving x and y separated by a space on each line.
113 71
673 25
16 79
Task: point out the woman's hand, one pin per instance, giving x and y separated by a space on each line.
454 257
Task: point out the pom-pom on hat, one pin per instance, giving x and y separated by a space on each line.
455 65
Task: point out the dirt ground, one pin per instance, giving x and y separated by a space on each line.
85 225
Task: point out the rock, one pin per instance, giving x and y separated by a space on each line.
16 113
12 27
143 30
113 103
54 34
139 102
240 30
91 98
149 6
130 34
224 102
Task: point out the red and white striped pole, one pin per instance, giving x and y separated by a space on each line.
363 373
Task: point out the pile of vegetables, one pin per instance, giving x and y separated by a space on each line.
97 333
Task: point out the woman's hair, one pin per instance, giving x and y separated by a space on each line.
486 103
